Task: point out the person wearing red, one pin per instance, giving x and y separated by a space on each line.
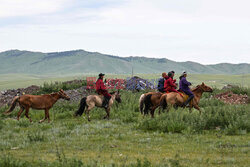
169 84
102 90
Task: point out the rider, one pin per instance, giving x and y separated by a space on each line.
184 87
102 90
169 84
161 83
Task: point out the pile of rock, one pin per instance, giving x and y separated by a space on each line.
231 98
76 94
6 96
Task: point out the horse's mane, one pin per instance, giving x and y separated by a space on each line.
112 93
196 88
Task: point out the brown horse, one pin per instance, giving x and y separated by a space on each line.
176 99
96 100
153 100
39 102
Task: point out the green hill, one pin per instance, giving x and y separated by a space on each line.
80 61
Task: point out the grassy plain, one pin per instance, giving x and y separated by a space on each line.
217 137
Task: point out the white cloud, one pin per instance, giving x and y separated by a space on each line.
11 8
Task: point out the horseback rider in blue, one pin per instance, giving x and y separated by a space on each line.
161 81
184 87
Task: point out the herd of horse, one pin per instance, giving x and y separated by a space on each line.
148 102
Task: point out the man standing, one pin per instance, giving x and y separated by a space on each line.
102 90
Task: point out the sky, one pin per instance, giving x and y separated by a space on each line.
203 31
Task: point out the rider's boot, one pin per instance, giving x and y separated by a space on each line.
187 101
105 102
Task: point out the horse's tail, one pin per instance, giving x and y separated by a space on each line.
141 102
147 102
82 107
163 101
13 105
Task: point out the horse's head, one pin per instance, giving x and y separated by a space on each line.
63 95
205 88
118 97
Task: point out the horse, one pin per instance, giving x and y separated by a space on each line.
39 102
96 100
152 100
174 98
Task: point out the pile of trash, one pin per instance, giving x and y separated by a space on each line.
231 98
137 83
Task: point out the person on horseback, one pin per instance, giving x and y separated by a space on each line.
102 90
184 87
161 83
169 84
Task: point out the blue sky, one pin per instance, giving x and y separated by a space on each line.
208 32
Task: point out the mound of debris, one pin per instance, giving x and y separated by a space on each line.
6 96
137 83
231 98
76 81
76 94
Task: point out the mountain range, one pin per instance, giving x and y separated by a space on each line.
81 61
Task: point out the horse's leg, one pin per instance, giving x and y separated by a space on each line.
108 112
190 109
197 107
27 113
152 112
19 113
47 113
45 116
90 107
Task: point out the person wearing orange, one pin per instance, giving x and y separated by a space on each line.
169 84
102 90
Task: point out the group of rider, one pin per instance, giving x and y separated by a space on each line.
167 84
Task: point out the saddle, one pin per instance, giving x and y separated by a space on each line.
184 95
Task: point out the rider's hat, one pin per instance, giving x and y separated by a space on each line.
101 74
184 72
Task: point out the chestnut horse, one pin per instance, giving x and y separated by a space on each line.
96 100
152 100
39 102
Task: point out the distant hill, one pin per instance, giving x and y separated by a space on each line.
80 61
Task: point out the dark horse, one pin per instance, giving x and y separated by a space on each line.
96 100
40 102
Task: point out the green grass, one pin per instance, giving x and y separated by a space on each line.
217 137
13 81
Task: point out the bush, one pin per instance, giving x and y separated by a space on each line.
232 119
55 87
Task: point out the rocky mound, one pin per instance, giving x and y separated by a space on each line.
231 98
6 96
